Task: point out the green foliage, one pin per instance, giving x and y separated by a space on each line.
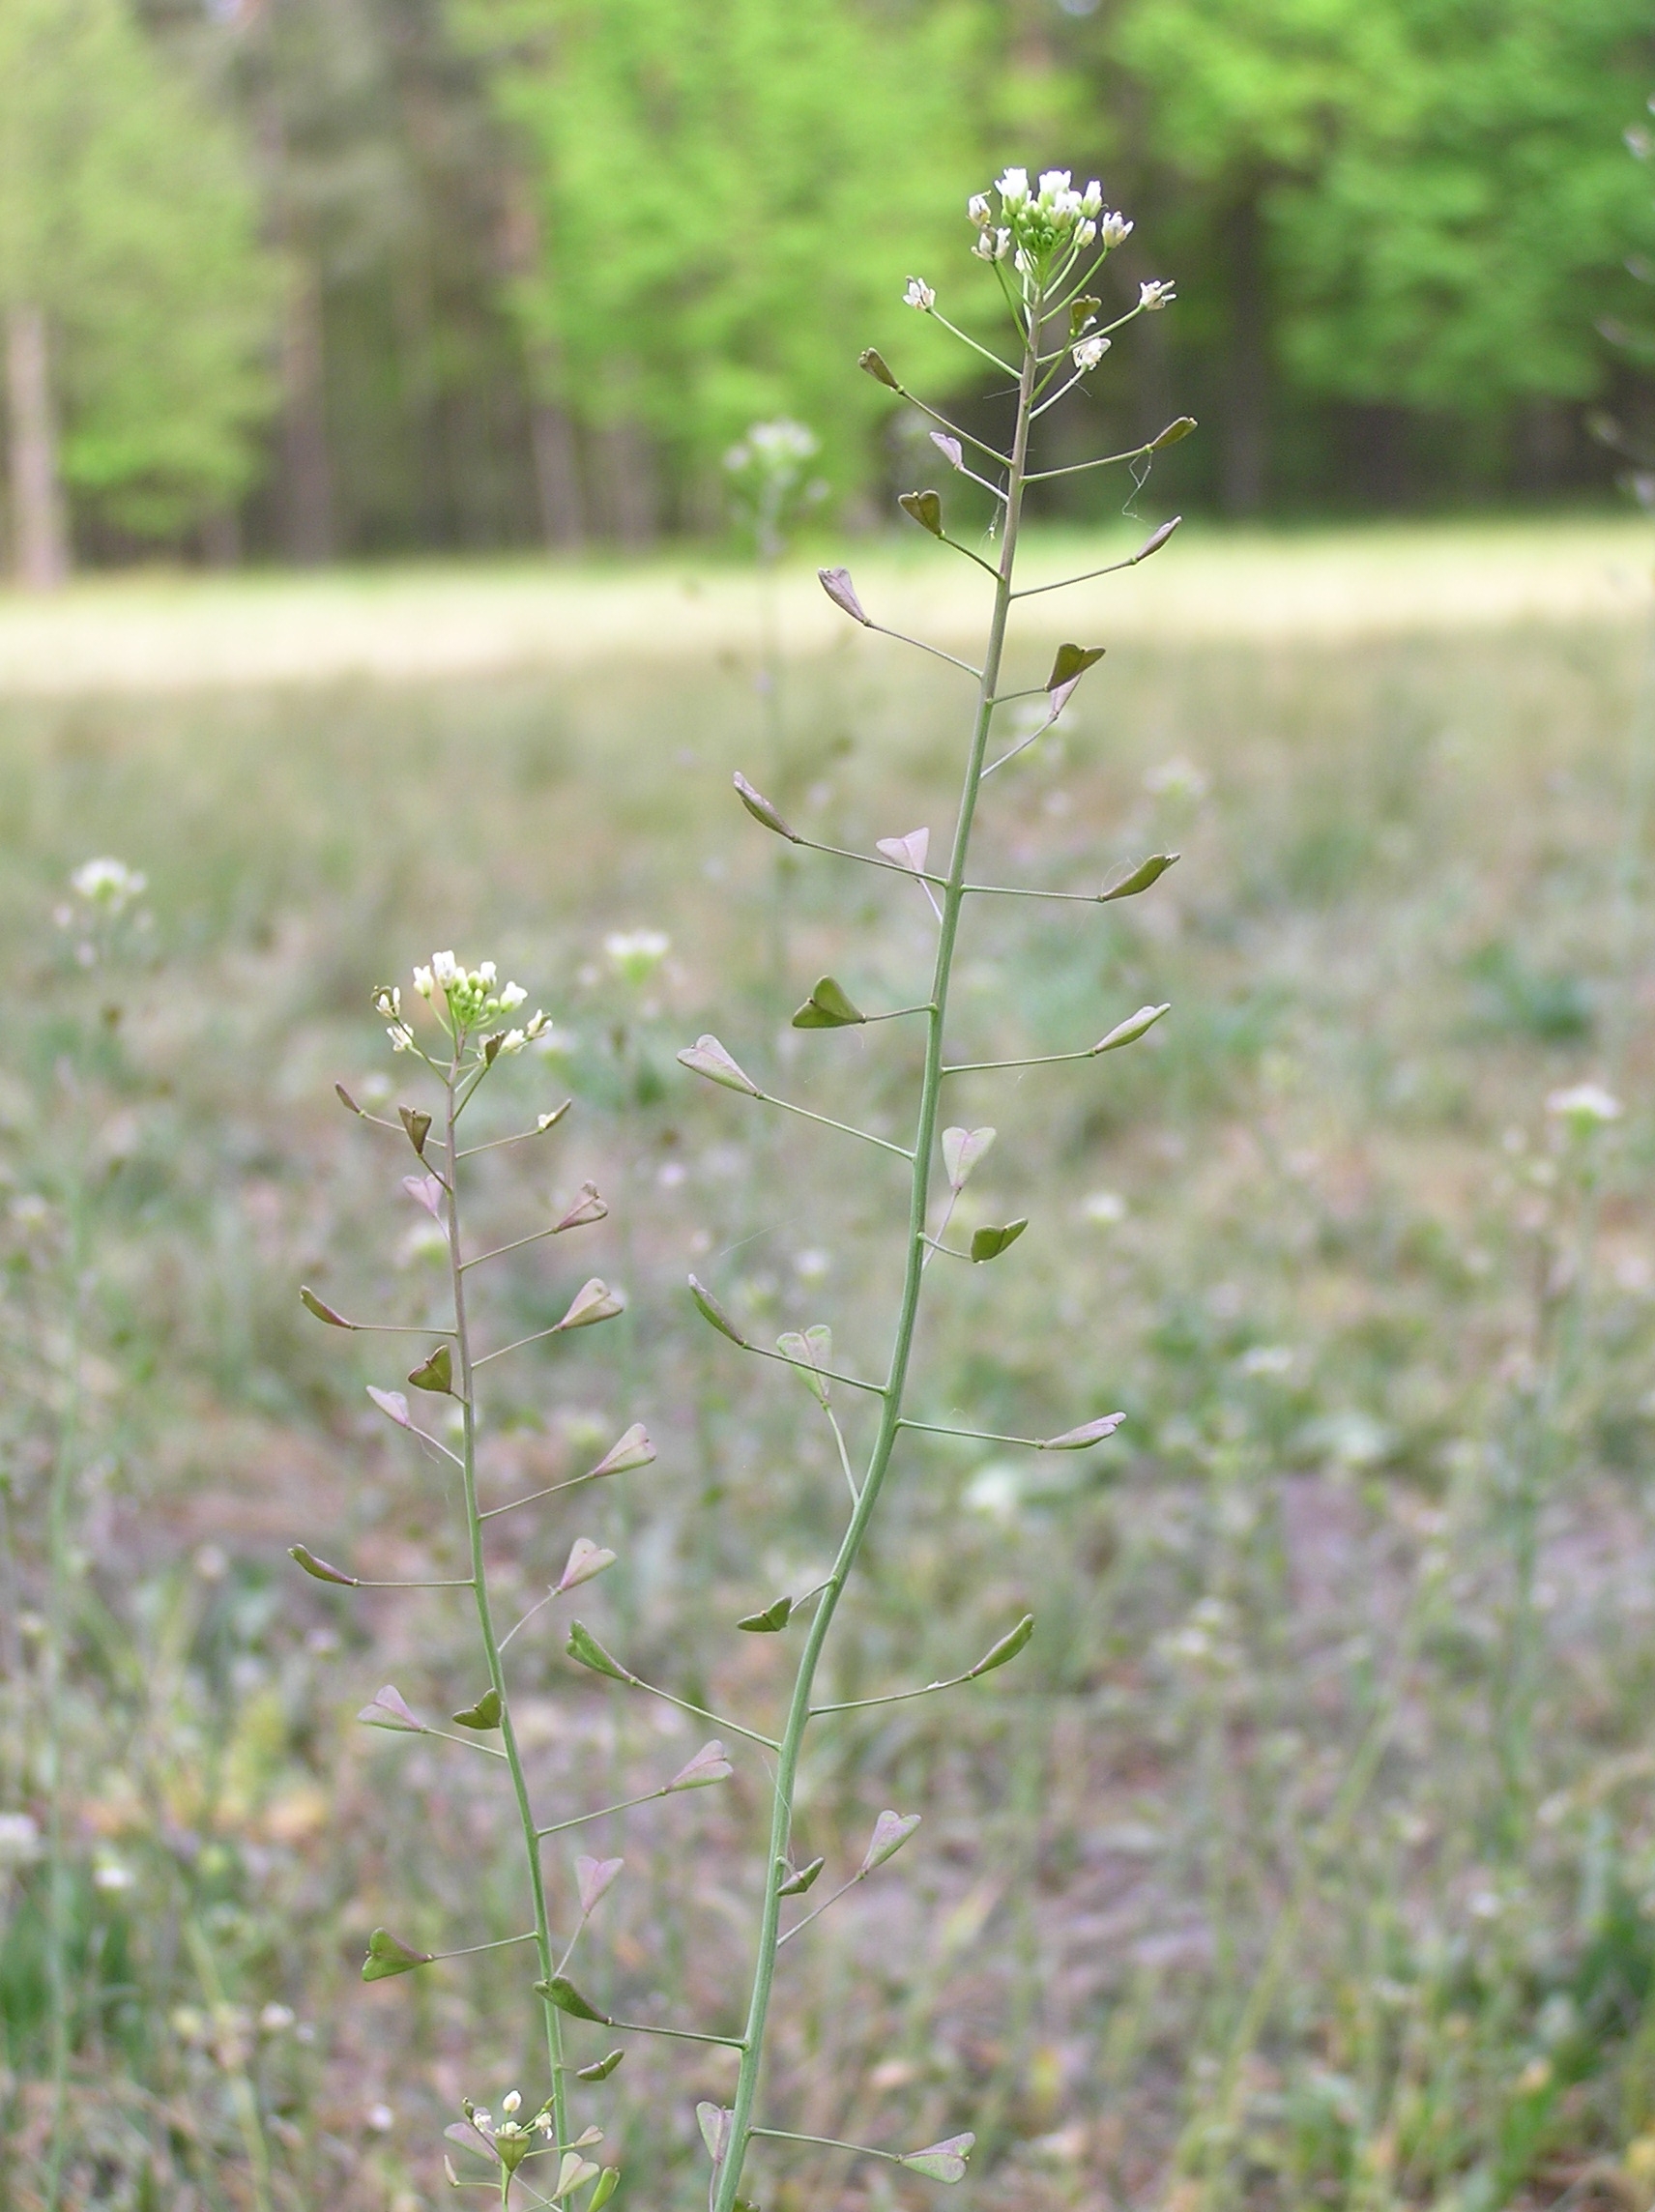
1466 231
728 198
127 213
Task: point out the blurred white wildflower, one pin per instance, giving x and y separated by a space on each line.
1178 779
1089 352
635 954
920 295
1585 1106
20 1840
1157 292
108 885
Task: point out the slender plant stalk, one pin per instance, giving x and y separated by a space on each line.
799 1713
485 1610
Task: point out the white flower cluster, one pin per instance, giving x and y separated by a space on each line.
511 2138
463 999
636 953
778 449
1040 223
1585 1106
109 886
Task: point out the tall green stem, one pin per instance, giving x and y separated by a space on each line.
485 1614
59 1504
890 1412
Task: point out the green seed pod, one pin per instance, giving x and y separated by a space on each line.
437 1373
304 1557
484 1714
387 1955
924 508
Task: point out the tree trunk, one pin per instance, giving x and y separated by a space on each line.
1247 369
39 535
306 488
625 489
557 477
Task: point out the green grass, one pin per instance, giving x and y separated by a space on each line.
1298 1699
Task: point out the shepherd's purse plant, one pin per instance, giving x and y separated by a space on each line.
1045 243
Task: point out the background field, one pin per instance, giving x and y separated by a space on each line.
1308 1855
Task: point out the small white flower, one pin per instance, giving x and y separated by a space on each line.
1089 352
276 2019
111 1876
1157 292
423 982
920 295
445 969
546 2122
1085 234
1091 199
511 2101
1013 188
1115 230
513 1040
983 246
636 953
401 1036
380 2118
536 1027
512 998
1586 1105
482 2122
108 883
1054 185
977 208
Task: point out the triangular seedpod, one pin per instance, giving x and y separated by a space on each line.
827 1008
1083 310
872 362
771 1621
1070 664
1060 686
304 1557
600 2069
837 584
1008 1646
891 1831
755 802
1172 432
990 1244
950 449
387 1955
574 2172
346 1100
491 1047
594 1301
1138 879
609 2180
586 1651
588 1207
944 2161
427 1191
633 1450
908 851
800 1880
437 1373
388 1709
962 1150
924 508
707 1056
810 1354
311 1303
711 1310
1131 1029
709 1765
417 1126
594 1878
546 1121
1155 540
561 1991
586 1559
392 1404
1089 1432
484 1714
714 2121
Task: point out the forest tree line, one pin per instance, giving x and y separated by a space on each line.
306 278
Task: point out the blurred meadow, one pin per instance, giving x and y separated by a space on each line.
1308 1855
